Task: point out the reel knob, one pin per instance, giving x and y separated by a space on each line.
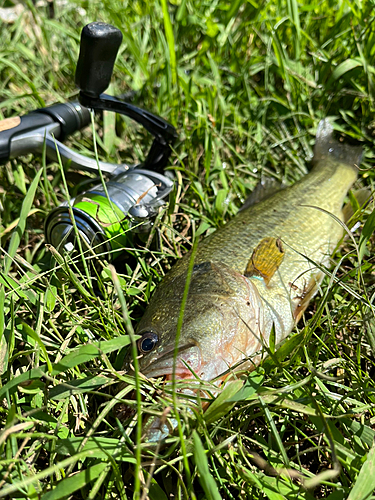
98 50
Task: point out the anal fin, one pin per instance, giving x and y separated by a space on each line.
301 301
266 259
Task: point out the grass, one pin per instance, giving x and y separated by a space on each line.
246 84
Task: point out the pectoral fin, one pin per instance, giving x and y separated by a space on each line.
266 259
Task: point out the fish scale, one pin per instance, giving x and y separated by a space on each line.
283 216
253 276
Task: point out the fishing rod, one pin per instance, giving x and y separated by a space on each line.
131 198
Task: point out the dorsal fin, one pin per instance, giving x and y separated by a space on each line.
263 190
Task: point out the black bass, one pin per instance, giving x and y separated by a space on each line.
254 276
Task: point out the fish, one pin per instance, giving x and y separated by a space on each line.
252 278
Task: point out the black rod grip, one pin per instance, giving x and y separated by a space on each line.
99 46
12 127
71 116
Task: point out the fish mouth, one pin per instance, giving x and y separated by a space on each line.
188 362
161 366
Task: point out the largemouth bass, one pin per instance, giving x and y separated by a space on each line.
254 276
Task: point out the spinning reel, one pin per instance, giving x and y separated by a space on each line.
131 198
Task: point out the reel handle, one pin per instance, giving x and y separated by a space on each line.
98 50
99 46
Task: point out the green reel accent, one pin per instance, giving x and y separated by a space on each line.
108 216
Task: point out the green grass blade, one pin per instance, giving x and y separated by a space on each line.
253 383
345 67
21 226
294 16
207 481
364 485
3 341
367 231
33 334
80 386
275 432
88 352
76 482
170 40
224 402
48 472
101 447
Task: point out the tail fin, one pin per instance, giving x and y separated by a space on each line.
328 147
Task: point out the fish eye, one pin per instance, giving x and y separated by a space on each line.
147 342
